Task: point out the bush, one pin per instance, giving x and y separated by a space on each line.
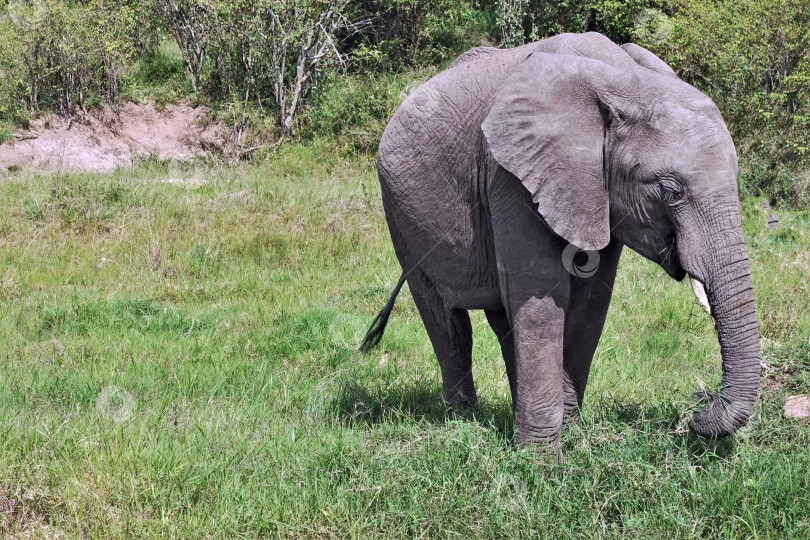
751 57
399 34
158 76
522 21
63 55
158 68
269 74
353 110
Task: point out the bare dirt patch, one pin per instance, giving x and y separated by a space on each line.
103 139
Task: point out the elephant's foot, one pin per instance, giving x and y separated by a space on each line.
545 442
571 401
460 401
539 426
571 413
459 387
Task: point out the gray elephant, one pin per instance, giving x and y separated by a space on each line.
510 175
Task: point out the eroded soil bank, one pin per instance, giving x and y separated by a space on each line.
107 138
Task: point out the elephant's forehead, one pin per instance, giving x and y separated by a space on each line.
717 158
705 157
692 139
688 114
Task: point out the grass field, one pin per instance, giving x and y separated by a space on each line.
177 360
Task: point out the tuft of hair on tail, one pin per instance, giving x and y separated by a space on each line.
377 328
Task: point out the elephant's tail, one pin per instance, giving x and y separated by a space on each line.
375 331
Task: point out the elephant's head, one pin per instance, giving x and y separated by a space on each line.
627 150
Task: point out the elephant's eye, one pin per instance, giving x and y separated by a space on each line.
671 193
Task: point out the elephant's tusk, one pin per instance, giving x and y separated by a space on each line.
700 294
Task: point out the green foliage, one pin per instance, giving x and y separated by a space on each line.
158 68
186 22
354 109
12 79
266 52
529 20
158 76
244 57
511 16
402 33
64 55
618 19
751 58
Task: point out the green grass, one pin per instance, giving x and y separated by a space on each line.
159 77
177 361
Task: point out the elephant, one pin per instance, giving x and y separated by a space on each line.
512 180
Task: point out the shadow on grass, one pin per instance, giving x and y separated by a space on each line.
660 420
416 401
622 421
701 450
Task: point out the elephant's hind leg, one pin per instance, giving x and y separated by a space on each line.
450 333
499 322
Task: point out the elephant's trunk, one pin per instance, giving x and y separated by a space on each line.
731 297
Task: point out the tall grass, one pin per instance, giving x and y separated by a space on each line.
178 361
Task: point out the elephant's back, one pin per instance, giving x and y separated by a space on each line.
433 135
438 121
432 172
434 163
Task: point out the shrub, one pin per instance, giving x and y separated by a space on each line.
402 33
751 57
64 55
522 21
158 67
353 110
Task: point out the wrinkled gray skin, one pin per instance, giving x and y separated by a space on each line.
495 165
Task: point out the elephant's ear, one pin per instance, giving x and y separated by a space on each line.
645 58
547 126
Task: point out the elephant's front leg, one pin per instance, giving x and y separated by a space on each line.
534 292
538 399
587 308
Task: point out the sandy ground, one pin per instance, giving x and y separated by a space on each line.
104 139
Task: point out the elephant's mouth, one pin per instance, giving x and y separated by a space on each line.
670 261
